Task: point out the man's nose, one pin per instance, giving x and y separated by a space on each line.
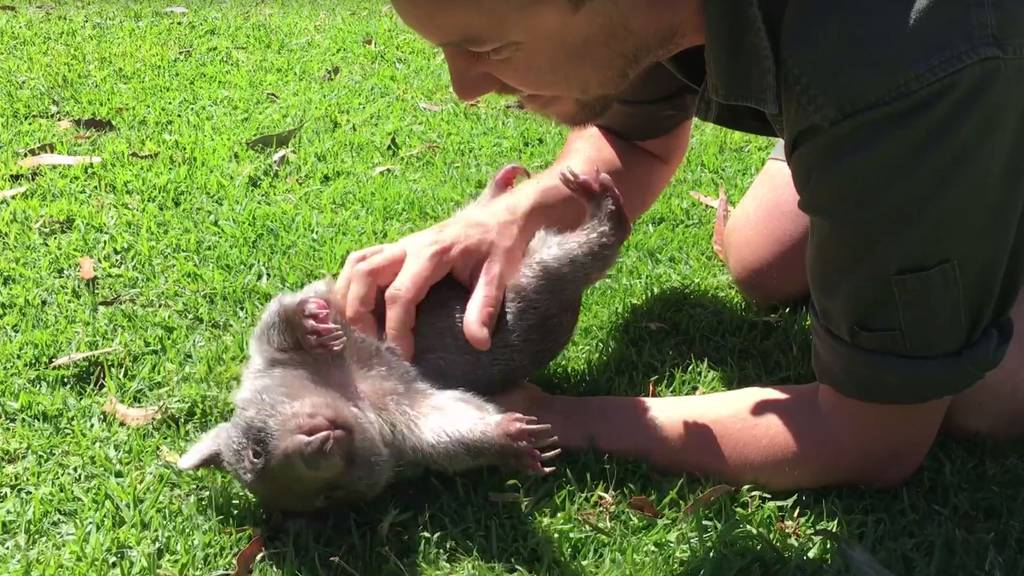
469 82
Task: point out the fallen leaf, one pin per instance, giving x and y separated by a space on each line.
860 560
38 149
704 199
721 219
712 494
79 356
382 169
168 455
143 155
274 140
130 416
272 97
91 124
504 497
589 517
607 501
331 73
431 107
643 505
82 136
85 268
8 194
175 10
247 557
280 157
57 160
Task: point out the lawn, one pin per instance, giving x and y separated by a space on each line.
191 232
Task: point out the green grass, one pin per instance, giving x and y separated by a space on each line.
191 244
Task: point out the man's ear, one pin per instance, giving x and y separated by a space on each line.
208 452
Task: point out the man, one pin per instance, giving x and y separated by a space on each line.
898 211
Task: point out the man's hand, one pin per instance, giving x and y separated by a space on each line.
482 246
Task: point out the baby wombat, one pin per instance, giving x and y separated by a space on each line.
326 414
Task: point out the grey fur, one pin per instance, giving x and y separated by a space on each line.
332 415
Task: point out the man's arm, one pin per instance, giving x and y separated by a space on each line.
782 437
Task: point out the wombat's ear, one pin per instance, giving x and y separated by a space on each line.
208 451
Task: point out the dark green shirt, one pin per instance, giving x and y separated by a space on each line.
903 122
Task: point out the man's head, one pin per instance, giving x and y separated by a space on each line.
564 59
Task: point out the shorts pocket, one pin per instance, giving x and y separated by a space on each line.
931 310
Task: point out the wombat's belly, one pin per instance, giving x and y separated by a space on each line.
531 331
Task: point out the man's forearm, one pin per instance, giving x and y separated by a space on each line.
784 437
640 171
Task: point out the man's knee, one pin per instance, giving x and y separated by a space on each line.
765 239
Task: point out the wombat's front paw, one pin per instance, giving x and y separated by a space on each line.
525 438
318 333
599 193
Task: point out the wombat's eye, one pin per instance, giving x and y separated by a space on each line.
255 453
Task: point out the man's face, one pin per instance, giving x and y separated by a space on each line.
562 64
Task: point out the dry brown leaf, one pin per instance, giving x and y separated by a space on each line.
169 456
273 141
704 199
382 169
131 416
45 148
57 160
143 155
86 269
606 500
79 356
90 124
8 194
504 497
431 107
331 73
707 498
589 517
721 219
643 505
247 557
175 10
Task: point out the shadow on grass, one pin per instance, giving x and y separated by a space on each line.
455 516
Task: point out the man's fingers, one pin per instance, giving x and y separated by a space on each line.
405 293
482 310
344 281
368 277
